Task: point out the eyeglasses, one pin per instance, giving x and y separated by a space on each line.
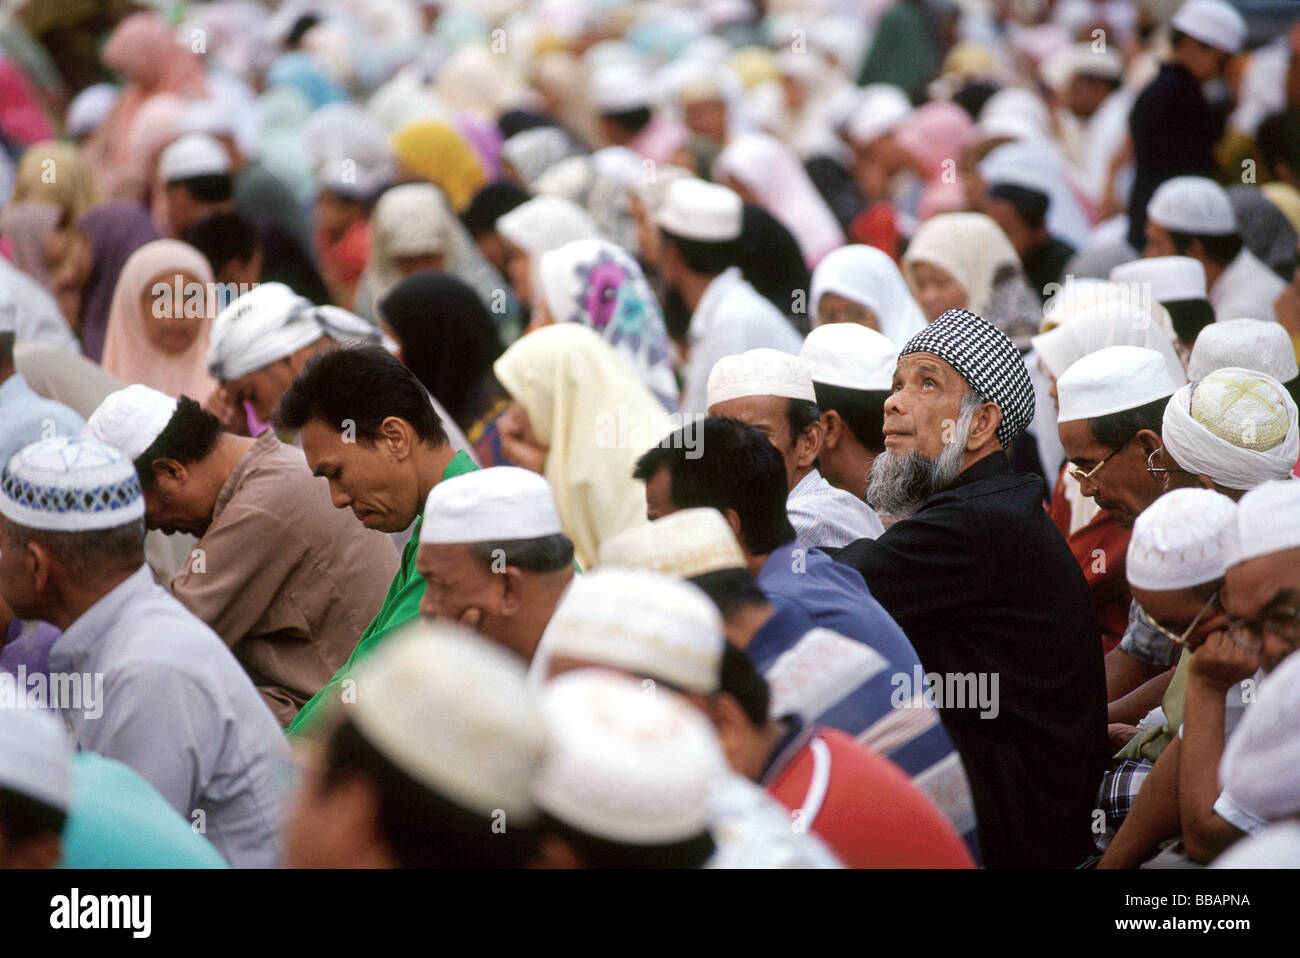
1284 623
1161 473
1081 477
1181 640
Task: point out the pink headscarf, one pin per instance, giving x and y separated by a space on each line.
128 353
144 50
778 181
936 134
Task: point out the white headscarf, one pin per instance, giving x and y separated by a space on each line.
1117 321
781 185
408 220
542 224
868 277
1253 409
271 322
969 246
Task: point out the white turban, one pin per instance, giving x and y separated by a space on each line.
271 322
1236 426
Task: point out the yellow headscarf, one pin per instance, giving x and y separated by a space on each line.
57 173
433 151
596 417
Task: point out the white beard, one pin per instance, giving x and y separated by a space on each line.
899 484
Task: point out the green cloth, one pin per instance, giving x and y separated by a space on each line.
118 820
401 605
903 51
1150 743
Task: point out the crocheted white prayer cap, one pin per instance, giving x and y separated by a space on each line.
69 484
759 372
642 622
131 419
1192 204
451 710
503 502
682 544
1112 380
1258 344
1267 521
850 356
1176 540
627 763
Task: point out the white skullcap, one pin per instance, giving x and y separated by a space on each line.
696 210
619 88
194 154
1236 426
487 505
1259 773
1175 542
849 356
642 622
759 372
1192 204
682 544
1167 279
880 110
1112 380
270 322
1267 521
1259 344
1081 59
627 764
451 711
35 754
90 108
131 419
70 485
1213 22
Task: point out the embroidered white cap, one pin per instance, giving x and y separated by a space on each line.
486 505
682 544
759 372
1176 540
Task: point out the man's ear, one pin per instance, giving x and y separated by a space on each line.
171 471
1149 441
512 590
1207 483
984 426
733 520
40 562
832 430
809 444
397 435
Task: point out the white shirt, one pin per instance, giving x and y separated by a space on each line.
825 516
1277 846
731 318
179 710
1247 289
1103 135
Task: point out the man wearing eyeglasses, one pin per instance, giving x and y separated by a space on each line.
1249 626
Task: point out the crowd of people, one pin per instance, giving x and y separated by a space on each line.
802 433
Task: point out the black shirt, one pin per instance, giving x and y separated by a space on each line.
1174 130
982 582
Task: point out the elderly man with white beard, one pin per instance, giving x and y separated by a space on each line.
983 583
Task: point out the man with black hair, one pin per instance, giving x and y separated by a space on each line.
232 248
369 430
789 651
1193 216
488 205
288 582
429 765
1172 126
773 391
1021 212
852 369
700 226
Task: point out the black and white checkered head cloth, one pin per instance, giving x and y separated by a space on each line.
986 359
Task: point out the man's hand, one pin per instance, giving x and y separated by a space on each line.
518 443
1220 663
1120 734
232 415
